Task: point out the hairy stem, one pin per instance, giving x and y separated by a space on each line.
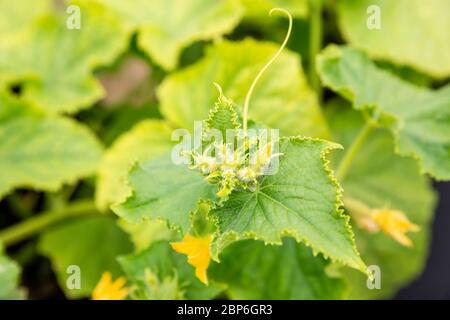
34 225
356 145
267 65
315 43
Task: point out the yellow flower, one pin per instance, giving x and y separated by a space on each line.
106 289
197 250
394 223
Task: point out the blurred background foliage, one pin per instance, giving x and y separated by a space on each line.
77 106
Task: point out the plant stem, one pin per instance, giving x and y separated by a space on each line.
315 43
34 225
356 145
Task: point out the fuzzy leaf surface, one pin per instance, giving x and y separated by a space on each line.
164 190
301 200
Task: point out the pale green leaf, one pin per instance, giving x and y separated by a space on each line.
282 98
164 190
16 21
412 32
54 64
261 8
147 139
12 108
418 118
170 275
92 244
42 152
379 178
301 200
166 27
256 271
9 277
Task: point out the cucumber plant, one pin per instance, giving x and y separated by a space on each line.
240 176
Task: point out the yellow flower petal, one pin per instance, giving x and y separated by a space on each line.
395 224
106 289
197 251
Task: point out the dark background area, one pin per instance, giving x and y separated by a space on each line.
434 283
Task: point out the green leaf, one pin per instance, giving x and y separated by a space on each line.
42 152
16 21
12 109
202 224
256 271
9 277
92 243
165 265
418 118
55 64
223 116
380 178
146 140
164 190
166 27
301 200
413 32
282 98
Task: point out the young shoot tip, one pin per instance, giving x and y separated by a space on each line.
219 89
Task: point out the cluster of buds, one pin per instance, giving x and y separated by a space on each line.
234 168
